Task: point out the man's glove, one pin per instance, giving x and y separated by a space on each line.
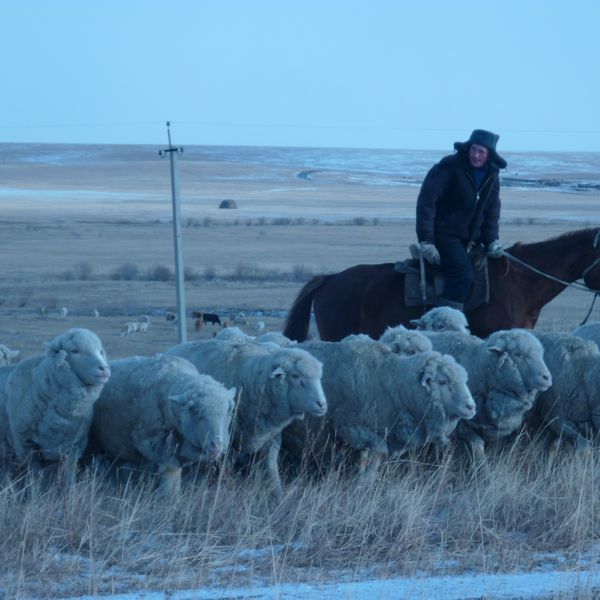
430 253
495 250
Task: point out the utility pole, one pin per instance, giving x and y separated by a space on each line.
173 152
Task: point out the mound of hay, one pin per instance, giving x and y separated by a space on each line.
228 204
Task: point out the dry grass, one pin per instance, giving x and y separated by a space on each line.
413 517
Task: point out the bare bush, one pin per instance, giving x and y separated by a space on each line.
160 273
126 272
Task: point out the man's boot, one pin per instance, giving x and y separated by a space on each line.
451 303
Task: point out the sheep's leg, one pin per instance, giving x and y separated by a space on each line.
552 445
70 466
372 448
170 479
273 465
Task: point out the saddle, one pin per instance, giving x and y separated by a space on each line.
434 280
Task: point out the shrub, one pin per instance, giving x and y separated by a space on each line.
126 272
160 273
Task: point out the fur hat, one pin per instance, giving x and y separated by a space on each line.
483 138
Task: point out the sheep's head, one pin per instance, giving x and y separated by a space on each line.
405 342
520 361
8 356
446 382
82 351
203 414
296 376
442 318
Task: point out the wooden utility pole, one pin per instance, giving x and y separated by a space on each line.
173 152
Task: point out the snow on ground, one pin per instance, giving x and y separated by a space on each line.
456 587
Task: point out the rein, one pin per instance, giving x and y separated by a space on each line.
573 284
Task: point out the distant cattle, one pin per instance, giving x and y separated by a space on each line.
205 317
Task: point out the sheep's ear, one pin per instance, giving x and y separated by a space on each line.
426 381
500 353
415 322
178 399
278 373
13 353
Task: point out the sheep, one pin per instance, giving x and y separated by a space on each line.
63 312
276 387
405 341
95 313
442 318
570 409
8 356
144 319
505 372
239 319
143 327
5 371
170 316
50 400
233 334
589 331
259 326
129 328
381 403
275 337
160 410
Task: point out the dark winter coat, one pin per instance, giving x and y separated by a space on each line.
450 205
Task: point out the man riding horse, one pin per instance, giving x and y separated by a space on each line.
458 208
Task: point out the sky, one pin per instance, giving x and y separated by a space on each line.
320 73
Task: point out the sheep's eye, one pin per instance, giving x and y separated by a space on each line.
295 376
443 381
74 351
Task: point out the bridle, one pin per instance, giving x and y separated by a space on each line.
573 284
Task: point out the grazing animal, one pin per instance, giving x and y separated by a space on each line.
276 387
8 356
211 318
170 316
129 328
405 341
160 410
368 298
95 313
381 403
50 400
505 372
589 331
63 312
442 318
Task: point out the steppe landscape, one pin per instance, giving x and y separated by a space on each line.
98 236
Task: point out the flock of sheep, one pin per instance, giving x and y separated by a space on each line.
249 399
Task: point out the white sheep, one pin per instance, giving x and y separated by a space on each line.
240 319
143 327
50 400
259 326
275 337
160 410
442 318
144 319
233 334
381 403
8 356
505 373
405 341
63 312
5 446
570 409
589 331
95 313
129 328
276 387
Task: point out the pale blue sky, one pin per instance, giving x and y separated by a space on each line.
369 73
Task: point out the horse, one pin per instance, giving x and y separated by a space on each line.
370 297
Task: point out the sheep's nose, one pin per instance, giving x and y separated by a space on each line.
214 448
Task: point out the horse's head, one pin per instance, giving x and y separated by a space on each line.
591 274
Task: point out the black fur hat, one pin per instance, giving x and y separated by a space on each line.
483 138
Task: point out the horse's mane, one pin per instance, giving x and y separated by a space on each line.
557 242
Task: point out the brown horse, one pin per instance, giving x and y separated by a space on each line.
368 298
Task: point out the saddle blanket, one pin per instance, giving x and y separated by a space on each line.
434 279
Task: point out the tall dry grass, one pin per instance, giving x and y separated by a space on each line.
413 518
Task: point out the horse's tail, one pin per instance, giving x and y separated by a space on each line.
298 319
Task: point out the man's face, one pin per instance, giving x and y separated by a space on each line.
478 155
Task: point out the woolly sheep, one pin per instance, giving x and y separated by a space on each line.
95 313
589 331
50 400
63 312
160 410
405 341
570 409
240 319
442 318
8 356
233 334
259 326
381 403
5 371
129 328
143 326
276 387
275 337
505 372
